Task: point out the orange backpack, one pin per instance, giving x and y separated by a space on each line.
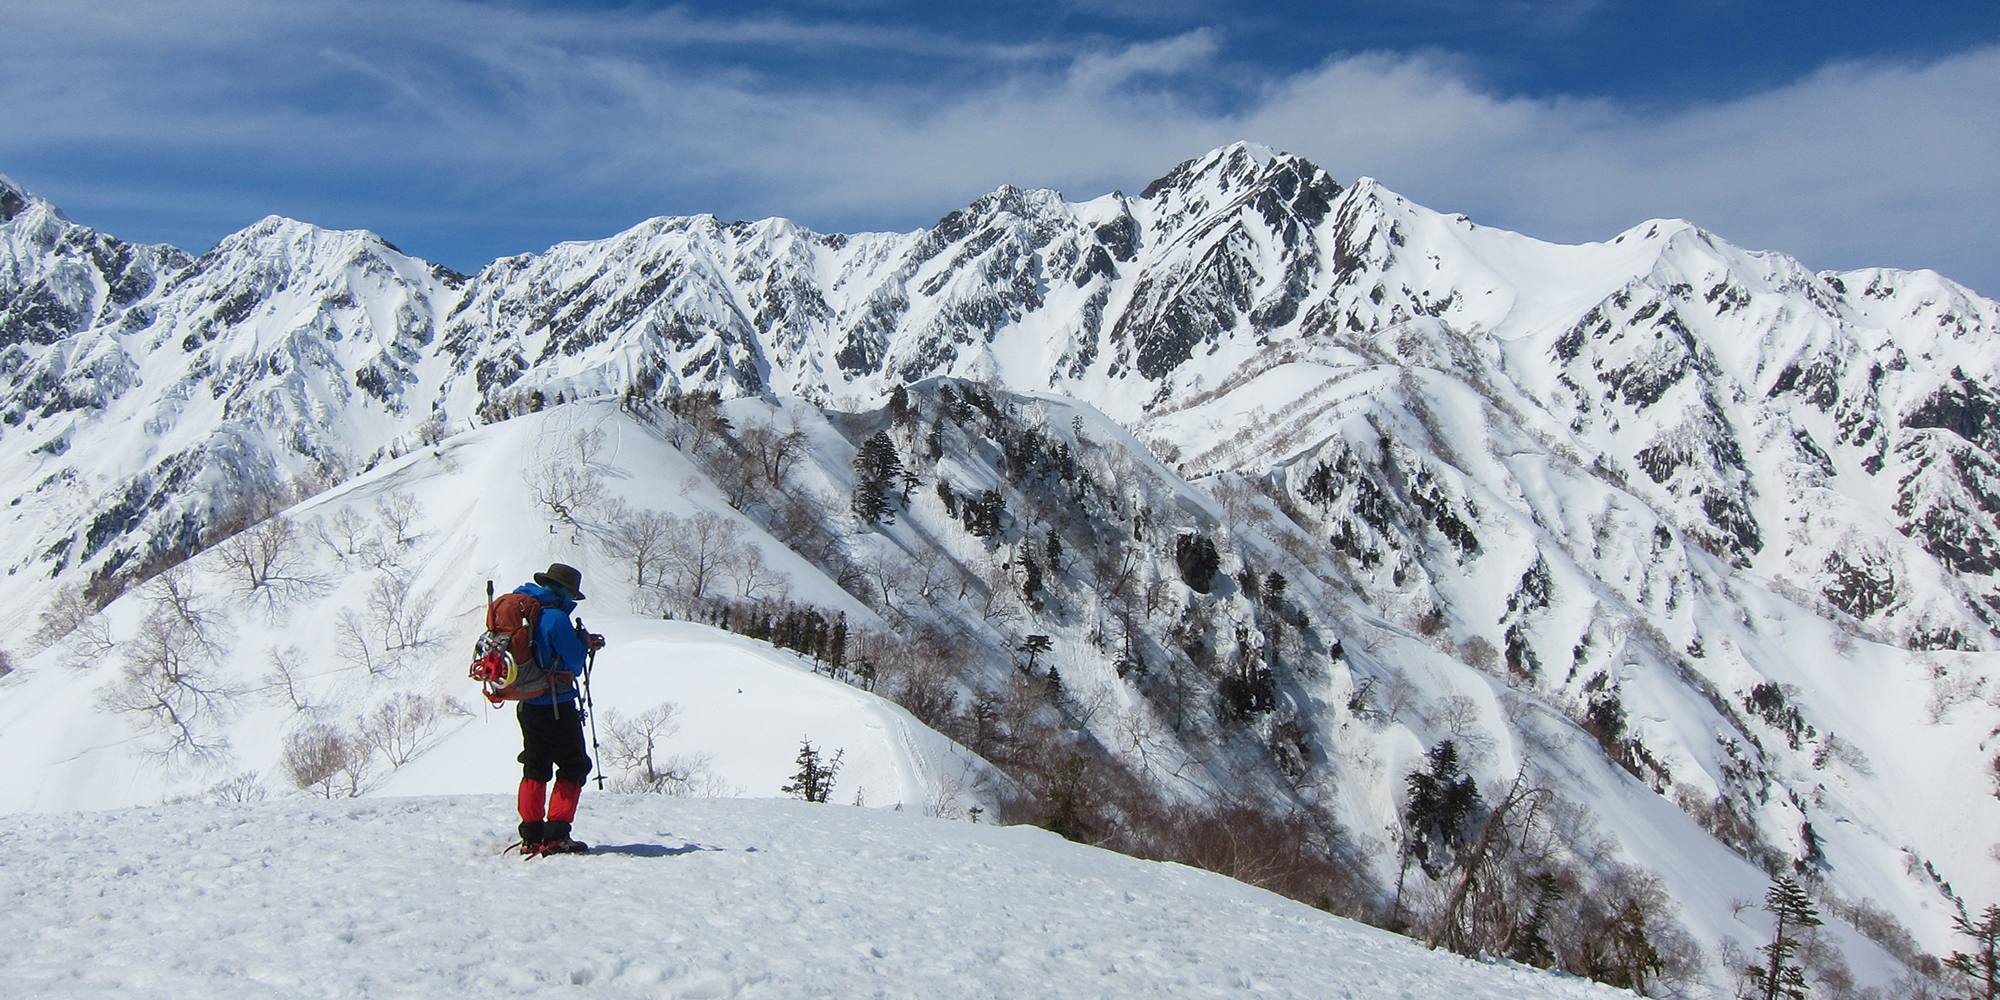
503 660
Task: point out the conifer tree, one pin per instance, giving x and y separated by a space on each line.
1982 967
1531 942
1779 979
1320 487
982 513
899 404
1275 585
836 641
1441 802
1198 561
878 473
1033 646
814 781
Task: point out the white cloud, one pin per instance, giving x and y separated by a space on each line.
1857 164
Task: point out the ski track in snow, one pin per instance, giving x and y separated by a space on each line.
682 898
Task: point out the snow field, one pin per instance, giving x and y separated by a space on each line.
744 707
682 898
743 703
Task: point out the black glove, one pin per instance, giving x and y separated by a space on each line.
593 642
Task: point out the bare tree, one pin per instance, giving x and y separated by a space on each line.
65 613
754 578
399 728
933 580
398 513
1502 825
771 453
569 482
641 537
269 563
354 642
1391 698
569 491
90 643
698 422
399 618
434 429
173 596
698 551
921 683
236 790
164 680
585 445
349 533
889 570
1459 717
637 752
286 678
1479 653
998 600
71 619
944 801
323 759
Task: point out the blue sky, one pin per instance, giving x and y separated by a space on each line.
1844 133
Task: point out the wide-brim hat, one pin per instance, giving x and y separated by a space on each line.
562 577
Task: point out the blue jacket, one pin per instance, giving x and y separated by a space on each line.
557 645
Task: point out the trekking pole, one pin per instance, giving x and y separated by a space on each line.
590 707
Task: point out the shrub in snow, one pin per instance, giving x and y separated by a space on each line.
316 756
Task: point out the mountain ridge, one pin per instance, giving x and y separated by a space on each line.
1670 493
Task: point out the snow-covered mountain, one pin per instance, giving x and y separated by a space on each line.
1296 479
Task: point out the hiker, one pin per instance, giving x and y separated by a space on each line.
552 724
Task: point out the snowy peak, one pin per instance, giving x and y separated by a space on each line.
58 279
1232 170
13 199
1294 480
16 200
1285 190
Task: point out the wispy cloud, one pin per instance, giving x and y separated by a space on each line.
447 108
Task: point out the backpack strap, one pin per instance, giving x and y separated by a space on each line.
534 637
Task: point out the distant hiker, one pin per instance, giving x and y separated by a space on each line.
552 723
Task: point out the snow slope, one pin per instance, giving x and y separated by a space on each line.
742 702
697 899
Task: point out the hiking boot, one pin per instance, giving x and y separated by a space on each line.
556 840
534 837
